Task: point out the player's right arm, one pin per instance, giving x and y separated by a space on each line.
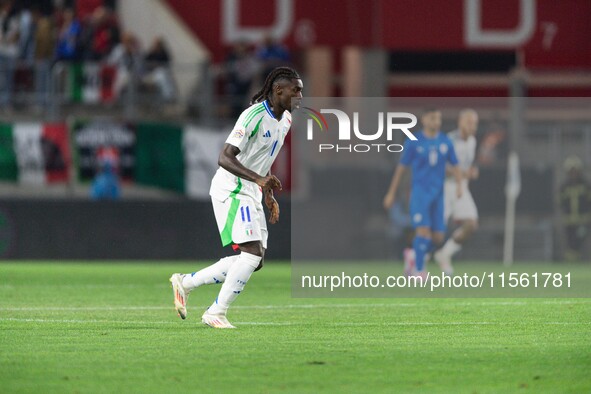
391 194
229 162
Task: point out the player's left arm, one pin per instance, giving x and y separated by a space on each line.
272 205
471 173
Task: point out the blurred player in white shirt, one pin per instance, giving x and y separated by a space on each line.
462 210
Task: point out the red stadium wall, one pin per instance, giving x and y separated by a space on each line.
86 7
558 37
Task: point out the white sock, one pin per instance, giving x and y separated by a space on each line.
236 279
215 273
451 247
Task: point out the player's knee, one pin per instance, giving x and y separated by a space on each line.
424 232
254 247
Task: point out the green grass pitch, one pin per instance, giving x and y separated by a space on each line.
110 327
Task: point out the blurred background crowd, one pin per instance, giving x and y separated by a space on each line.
36 35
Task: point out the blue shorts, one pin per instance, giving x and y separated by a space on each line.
427 210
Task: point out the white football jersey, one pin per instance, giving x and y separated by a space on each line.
259 136
465 149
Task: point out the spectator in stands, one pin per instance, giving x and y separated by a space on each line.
68 37
26 35
493 146
100 34
127 59
9 39
157 63
106 184
241 68
43 54
272 54
575 205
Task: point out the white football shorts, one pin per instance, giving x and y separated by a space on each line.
463 208
240 219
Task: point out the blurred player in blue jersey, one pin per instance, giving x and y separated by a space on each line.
427 158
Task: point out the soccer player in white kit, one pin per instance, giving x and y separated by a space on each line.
462 210
237 189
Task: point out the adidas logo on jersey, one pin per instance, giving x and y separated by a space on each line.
267 134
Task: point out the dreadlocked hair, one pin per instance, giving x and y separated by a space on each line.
275 75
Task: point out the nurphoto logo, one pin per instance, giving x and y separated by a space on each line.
388 124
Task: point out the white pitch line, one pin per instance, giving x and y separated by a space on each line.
297 306
85 308
28 320
92 321
341 324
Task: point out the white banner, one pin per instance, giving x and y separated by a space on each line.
29 153
201 146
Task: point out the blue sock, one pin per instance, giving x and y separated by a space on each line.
422 246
